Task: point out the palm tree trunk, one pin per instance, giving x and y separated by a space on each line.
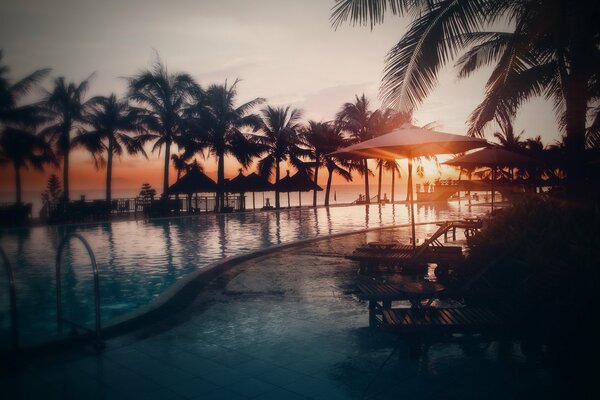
366 166
18 182
221 182
66 176
393 183
328 189
316 178
276 183
379 183
166 171
576 96
109 170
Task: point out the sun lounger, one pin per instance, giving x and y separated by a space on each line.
392 254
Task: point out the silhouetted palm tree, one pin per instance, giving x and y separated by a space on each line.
11 112
162 98
507 138
112 123
388 120
64 106
219 123
361 124
23 149
19 145
553 52
281 138
323 138
390 166
180 163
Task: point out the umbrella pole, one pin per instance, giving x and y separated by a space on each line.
289 206
493 179
412 205
253 203
299 199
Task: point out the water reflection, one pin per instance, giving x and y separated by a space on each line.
138 260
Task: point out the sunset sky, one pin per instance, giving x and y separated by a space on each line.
284 50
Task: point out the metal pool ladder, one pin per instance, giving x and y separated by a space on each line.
13 299
98 342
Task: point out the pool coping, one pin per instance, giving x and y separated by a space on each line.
181 294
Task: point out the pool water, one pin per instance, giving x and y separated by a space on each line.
138 260
288 325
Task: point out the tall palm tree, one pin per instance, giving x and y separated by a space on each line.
322 138
112 124
361 124
553 52
386 121
18 144
64 106
23 149
162 98
11 112
390 166
220 124
315 139
280 130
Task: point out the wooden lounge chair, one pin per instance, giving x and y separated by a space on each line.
395 255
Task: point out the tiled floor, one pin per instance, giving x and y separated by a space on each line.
285 326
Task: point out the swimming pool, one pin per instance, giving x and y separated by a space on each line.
138 260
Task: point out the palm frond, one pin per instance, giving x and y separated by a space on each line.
412 66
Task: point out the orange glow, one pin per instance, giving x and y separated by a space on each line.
130 172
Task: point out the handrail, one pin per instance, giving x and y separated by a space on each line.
59 317
13 299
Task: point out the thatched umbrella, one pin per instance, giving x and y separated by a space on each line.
250 183
194 181
492 157
409 142
299 182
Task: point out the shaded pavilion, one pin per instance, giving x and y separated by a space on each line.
249 183
193 182
409 141
493 158
299 182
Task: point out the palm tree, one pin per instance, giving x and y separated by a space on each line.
280 129
388 120
112 122
23 149
507 138
552 52
323 138
219 124
180 163
361 124
390 166
11 113
19 146
162 98
64 106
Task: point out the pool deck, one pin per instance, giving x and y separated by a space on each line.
287 325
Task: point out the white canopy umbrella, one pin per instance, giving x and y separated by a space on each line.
410 141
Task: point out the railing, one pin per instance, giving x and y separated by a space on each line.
98 344
81 210
13 299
